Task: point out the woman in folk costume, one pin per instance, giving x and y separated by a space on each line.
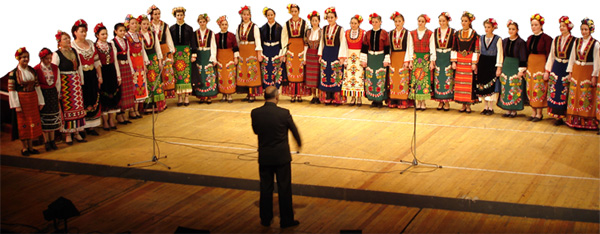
47 74
272 53
139 60
167 49
375 57
464 57
71 97
422 48
204 83
333 51
538 49
185 54
227 59
249 80
110 93
443 90
583 69
313 40
154 85
25 96
399 77
512 81
556 71
124 74
295 46
353 84
489 66
92 75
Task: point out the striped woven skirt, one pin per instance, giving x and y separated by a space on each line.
127 87
463 80
29 124
311 78
71 102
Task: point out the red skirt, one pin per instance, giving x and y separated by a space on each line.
312 68
29 123
127 87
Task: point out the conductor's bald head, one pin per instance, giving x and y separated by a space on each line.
271 94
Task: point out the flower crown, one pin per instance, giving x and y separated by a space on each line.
178 9
359 18
98 27
394 15
470 15
290 6
58 35
590 23
220 19
567 21
265 10
427 19
447 15
127 19
538 17
205 16
373 16
81 22
141 18
244 8
491 21
330 10
19 52
314 13
44 52
509 23
150 9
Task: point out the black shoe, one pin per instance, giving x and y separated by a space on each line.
251 100
468 111
246 99
559 122
53 145
461 111
292 224
128 122
373 104
209 102
33 151
180 104
313 101
484 112
83 134
69 142
106 129
490 112
48 146
186 104
359 104
266 224
530 118
80 141
513 115
25 153
113 127
229 101
506 115
293 100
299 99
92 132
318 101
122 123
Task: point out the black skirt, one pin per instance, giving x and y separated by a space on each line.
109 90
90 93
50 113
486 76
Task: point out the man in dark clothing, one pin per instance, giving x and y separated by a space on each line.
271 123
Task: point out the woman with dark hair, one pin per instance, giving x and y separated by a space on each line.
556 71
443 85
156 95
204 83
71 97
47 74
313 39
92 75
295 45
422 48
538 49
109 90
512 83
227 60
353 84
248 37
272 53
399 77
185 54
583 68
139 59
333 51
489 66
26 98
167 49
124 74
375 57
464 57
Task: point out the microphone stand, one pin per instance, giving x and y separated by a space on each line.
415 162
154 159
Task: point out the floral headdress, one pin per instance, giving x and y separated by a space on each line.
81 22
98 27
394 15
44 52
539 18
178 9
205 16
373 16
267 9
314 13
127 19
469 15
290 6
220 19
150 9
244 8
19 52
141 18
427 19
330 10
567 21
509 23
447 15
359 18
590 23
58 35
491 21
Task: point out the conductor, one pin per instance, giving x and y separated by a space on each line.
271 123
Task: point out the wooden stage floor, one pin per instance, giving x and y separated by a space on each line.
483 158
